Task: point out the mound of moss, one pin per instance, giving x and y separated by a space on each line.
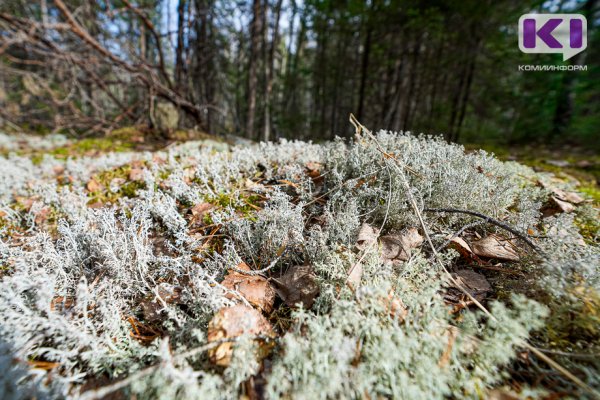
136 282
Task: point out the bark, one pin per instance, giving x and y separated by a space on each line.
179 62
255 39
269 71
364 69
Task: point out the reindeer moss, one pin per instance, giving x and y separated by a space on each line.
269 207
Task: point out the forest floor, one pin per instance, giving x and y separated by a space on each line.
388 266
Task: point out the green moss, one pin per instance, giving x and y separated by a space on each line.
36 159
243 203
126 133
592 191
100 144
128 189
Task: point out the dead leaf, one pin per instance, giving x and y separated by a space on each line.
26 202
255 289
152 307
494 246
355 276
232 322
93 185
452 333
136 174
62 304
475 283
169 293
560 201
556 206
200 210
398 246
152 310
313 170
571 197
58 169
396 307
298 285
367 236
42 215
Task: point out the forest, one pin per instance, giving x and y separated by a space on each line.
299 199
293 69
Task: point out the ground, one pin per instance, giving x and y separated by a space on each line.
389 266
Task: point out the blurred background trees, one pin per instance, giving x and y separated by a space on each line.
267 69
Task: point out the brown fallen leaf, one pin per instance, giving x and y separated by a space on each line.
62 304
475 283
297 285
200 210
254 288
232 322
398 246
452 334
42 215
560 201
152 306
169 293
152 310
571 197
556 206
494 246
313 169
26 202
355 276
464 249
367 236
136 174
396 307
58 169
93 185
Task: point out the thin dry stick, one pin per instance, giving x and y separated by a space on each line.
260 271
123 383
387 157
341 185
491 220
458 233
372 244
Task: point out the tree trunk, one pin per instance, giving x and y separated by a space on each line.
364 69
255 39
269 67
179 67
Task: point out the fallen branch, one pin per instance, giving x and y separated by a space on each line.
491 220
